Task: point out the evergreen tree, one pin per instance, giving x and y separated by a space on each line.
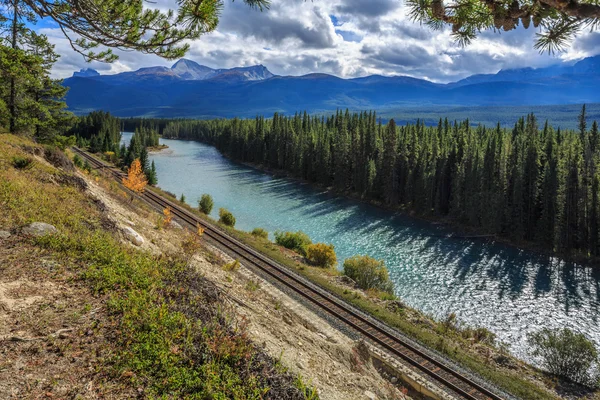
526 184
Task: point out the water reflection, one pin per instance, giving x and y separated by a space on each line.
509 291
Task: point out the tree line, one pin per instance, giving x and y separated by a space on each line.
100 132
531 183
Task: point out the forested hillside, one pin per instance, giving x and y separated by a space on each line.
528 184
185 90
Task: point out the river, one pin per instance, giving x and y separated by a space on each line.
507 290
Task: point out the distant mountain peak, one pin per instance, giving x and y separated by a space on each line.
85 73
191 70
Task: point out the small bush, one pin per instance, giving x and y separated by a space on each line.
297 241
56 157
321 255
192 242
252 285
232 266
565 353
368 273
77 161
205 204
22 162
260 233
226 217
479 335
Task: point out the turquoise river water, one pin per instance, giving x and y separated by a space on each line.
505 289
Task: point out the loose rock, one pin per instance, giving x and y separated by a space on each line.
176 225
370 395
4 234
133 236
39 229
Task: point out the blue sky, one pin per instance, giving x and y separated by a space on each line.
347 38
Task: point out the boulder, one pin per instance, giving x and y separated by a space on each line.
4 234
133 236
39 229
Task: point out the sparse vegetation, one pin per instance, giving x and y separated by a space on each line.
260 233
321 255
206 204
192 242
232 266
296 241
252 285
226 217
368 273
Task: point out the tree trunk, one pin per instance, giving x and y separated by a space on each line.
12 107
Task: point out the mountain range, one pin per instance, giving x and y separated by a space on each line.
188 89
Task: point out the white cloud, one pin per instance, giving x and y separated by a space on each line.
295 38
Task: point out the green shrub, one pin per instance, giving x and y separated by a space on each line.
77 161
368 273
297 241
565 353
260 233
226 217
321 255
205 204
22 162
87 166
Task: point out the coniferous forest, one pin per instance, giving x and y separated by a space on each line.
100 132
529 184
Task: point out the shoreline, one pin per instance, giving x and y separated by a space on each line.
459 231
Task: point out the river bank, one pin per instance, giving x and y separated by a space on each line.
485 283
461 231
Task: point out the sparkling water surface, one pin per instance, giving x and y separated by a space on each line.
507 290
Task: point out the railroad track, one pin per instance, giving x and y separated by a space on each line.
451 380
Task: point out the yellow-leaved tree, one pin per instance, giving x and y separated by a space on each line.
135 180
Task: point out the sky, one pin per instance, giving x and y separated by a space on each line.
346 38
